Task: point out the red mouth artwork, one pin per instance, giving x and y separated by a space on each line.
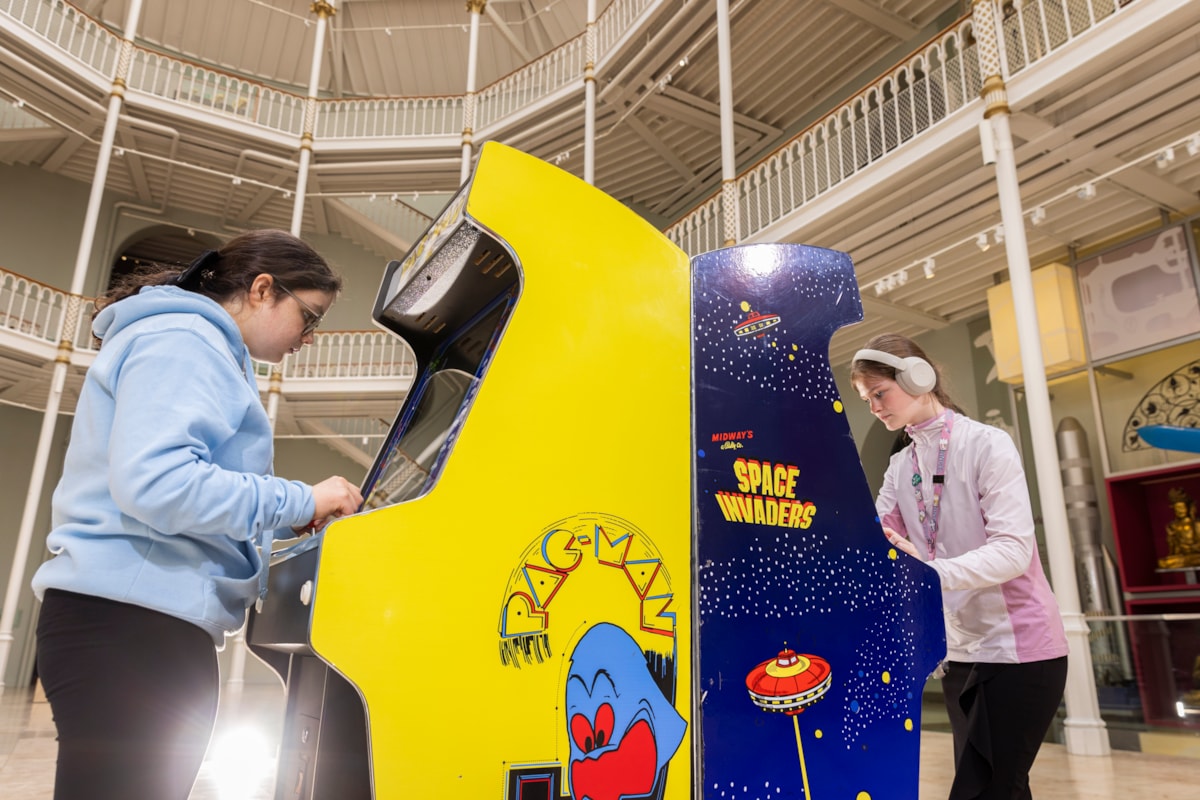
627 771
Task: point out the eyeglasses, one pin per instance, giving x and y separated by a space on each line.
312 319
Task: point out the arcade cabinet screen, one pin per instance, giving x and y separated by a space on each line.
451 308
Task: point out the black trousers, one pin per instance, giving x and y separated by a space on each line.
999 714
134 696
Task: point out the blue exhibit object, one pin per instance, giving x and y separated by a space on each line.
816 637
1171 437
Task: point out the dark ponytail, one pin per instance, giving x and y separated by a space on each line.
224 273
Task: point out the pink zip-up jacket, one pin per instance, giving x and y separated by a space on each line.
996 600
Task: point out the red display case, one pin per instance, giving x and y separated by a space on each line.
1140 512
1166 648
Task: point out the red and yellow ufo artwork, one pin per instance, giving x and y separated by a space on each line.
790 682
756 325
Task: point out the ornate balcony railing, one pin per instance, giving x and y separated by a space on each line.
616 21
937 82
1036 28
394 117
38 313
560 67
13 116
91 45
347 354
941 79
31 309
192 85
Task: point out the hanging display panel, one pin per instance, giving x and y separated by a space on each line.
1139 295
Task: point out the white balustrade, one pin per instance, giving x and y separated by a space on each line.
69 30
893 111
31 309
513 93
348 354
172 79
390 117
37 312
615 21
938 81
14 117
1035 28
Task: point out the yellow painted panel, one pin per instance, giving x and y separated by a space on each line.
562 516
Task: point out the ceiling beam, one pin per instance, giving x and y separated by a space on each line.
133 165
682 112
537 27
265 194
29 134
658 146
507 33
1154 189
894 26
744 121
335 441
901 313
64 152
336 59
690 28
320 220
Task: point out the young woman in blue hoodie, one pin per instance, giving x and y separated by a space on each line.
166 504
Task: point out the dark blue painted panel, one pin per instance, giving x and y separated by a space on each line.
790 555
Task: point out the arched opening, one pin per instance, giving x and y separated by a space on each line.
160 246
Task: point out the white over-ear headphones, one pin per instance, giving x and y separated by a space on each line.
914 375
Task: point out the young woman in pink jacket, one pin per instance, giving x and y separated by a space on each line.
955 497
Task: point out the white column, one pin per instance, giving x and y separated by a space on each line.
589 98
1084 729
41 459
476 8
324 9
729 203
237 643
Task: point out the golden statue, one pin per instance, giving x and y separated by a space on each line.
1183 533
1192 699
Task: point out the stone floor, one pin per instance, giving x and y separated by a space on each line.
27 754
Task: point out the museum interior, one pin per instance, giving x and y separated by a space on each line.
975 161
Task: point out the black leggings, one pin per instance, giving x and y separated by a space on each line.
999 714
134 696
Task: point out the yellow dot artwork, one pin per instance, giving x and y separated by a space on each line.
887 677
745 306
908 726
892 554
818 733
837 406
863 796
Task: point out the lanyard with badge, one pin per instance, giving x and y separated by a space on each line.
929 517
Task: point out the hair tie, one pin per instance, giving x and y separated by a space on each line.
205 259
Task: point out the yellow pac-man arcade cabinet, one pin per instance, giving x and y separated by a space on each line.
510 614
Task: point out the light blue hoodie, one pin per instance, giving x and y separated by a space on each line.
167 492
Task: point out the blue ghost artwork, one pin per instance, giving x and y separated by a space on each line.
621 727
